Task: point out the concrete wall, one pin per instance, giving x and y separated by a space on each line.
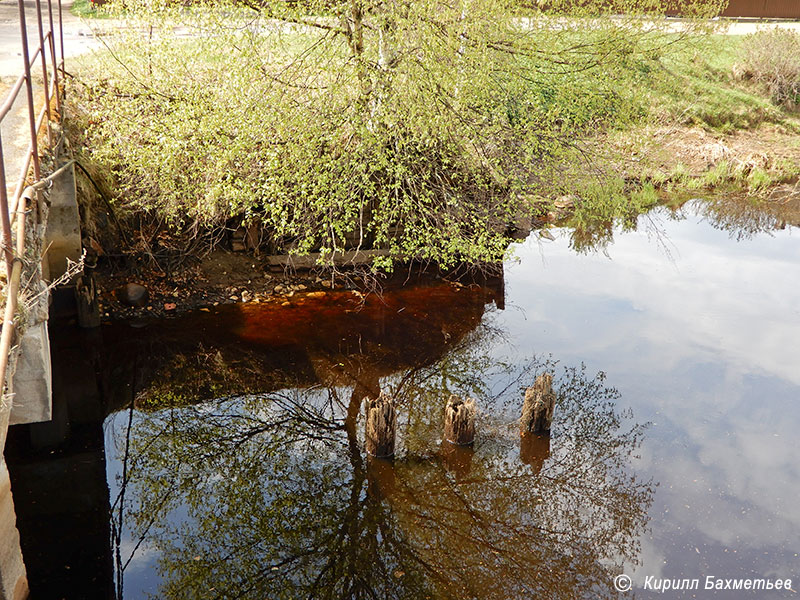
55 239
13 581
32 379
30 374
63 232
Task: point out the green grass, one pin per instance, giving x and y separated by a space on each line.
86 10
697 88
758 180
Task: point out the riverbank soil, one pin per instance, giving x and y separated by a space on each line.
226 277
220 277
664 152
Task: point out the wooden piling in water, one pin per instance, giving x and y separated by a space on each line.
537 408
459 421
87 302
381 426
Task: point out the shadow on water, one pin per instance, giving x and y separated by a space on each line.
59 468
290 343
236 467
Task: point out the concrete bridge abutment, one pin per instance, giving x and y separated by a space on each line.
52 239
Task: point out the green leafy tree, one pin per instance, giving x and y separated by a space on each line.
421 128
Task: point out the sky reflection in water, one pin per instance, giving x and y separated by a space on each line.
699 333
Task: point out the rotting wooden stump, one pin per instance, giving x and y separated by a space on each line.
537 409
459 421
381 426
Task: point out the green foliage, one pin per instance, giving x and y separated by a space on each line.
718 174
83 8
688 8
786 170
409 127
602 205
645 197
680 174
86 9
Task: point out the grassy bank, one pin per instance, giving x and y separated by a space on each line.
707 126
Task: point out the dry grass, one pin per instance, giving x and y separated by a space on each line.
772 58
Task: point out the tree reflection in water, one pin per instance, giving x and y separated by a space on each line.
270 496
745 217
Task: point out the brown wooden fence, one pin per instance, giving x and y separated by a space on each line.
766 9
763 9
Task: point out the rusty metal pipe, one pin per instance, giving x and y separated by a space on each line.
61 34
53 54
31 116
23 174
5 219
12 97
34 56
12 293
45 78
29 194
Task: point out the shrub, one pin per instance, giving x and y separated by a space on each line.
773 59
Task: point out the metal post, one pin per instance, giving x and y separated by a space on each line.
53 55
37 173
5 219
61 34
45 78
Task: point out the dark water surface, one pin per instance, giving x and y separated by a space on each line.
240 473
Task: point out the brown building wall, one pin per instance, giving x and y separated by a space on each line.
764 9
769 9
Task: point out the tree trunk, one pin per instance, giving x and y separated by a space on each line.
459 421
537 409
381 480
381 426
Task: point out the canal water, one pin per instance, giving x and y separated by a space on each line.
238 471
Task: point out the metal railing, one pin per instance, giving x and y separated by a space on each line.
13 204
